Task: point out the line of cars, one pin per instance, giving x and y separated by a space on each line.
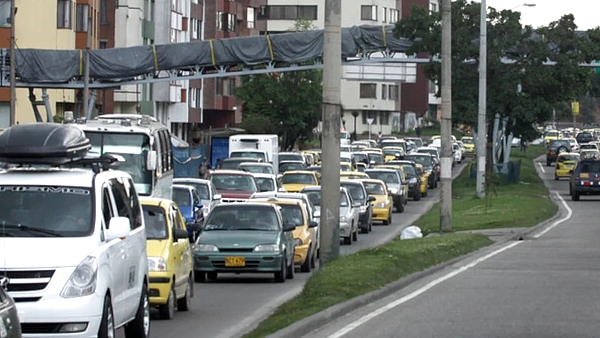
577 159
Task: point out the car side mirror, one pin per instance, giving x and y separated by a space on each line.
313 224
151 160
180 234
289 227
217 197
118 227
371 199
357 205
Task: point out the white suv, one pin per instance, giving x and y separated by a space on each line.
73 236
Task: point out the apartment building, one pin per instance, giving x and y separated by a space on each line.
58 24
374 101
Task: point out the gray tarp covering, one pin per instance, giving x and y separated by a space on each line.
59 66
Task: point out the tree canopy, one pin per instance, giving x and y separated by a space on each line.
287 104
525 91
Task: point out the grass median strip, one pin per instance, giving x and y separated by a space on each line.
365 271
511 205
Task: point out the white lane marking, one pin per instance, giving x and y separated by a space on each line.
389 306
569 214
542 167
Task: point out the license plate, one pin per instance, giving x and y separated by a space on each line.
235 261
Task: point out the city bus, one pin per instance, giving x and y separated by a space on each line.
143 142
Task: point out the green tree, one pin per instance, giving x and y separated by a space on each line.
287 104
525 91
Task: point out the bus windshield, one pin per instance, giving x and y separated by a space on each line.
132 147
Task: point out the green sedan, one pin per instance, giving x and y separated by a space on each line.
245 238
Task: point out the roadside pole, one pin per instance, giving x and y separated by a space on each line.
330 182
446 125
481 116
13 87
86 78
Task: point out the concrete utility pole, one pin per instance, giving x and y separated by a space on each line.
86 75
330 186
13 80
481 116
446 170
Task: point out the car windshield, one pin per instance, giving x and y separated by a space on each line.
589 167
241 217
393 152
425 161
433 152
298 179
565 158
409 170
344 202
290 157
356 191
257 169
248 154
360 157
377 158
201 188
467 141
182 197
314 197
345 159
283 167
156 222
43 211
232 164
552 134
375 189
292 213
265 184
232 182
386 176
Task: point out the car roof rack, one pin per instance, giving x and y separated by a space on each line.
43 143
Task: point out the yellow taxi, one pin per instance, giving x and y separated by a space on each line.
353 175
305 236
469 144
294 181
389 153
316 155
589 153
361 167
564 164
424 179
383 204
170 263
551 135
347 166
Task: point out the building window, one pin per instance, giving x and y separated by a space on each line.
369 114
102 45
383 14
384 91
225 22
393 95
194 28
82 22
173 35
219 86
250 17
229 87
368 90
103 10
292 12
368 12
432 89
394 15
433 8
384 118
63 10
5 14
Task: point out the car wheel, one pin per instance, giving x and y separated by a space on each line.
139 327
167 311
313 260
355 235
291 269
548 163
212 275
185 303
199 277
107 324
400 207
307 265
555 177
575 196
348 240
417 196
280 275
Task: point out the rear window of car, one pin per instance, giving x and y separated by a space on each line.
588 167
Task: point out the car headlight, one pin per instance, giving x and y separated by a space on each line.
394 191
266 247
206 247
363 208
157 264
297 242
343 219
381 205
83 280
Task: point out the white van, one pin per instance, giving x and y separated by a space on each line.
72 236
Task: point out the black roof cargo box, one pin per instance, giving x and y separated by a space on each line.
43 143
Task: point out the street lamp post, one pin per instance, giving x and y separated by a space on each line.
482 105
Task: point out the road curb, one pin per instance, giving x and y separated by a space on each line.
322 318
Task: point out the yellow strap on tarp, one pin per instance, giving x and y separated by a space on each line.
212 52
270 47
80 62
155 57
384 36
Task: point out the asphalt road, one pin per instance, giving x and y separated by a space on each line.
544 286
235 304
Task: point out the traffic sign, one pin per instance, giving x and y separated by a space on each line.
370 121
597 69
575 107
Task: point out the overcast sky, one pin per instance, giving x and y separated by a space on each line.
586 12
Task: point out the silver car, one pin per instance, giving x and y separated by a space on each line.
206 190
10 326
